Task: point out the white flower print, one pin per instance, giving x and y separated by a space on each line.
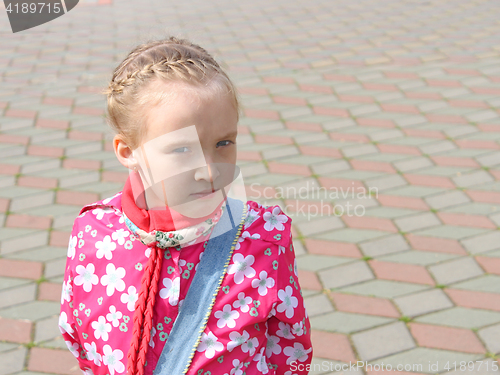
242 302
147 253
151 341
86 277
87 371
285 331
100 211
67 291
72 247
92 354
182 263
261 362
227 317
171 290
196 267
289 373
298 329
104 248
114 316
281 249
244 235
274 219
111 358
101 328
241 267
113 279
73 348
237 339
107 200
250 346
263 282
289 301
296 353
236 370
209 345
64 326
272 346
252 215
120 235
130 298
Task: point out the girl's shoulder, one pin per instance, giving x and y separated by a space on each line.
267 223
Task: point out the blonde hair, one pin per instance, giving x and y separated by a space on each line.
168 60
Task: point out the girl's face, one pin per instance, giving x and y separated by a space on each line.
188 152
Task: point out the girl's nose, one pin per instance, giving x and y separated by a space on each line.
208 173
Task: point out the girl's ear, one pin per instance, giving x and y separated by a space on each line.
124 153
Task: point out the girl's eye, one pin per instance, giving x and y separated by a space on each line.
181 150
223 143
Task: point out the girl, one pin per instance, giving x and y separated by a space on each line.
125 306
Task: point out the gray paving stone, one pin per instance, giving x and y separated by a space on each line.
471 179
490 159
12 361
320 225
448 199
386 245
351 235
387 182
415 222
384 288
413 164
312 262
438 147
383 341
331 167
32 201
30 240
318 304
451 231
47 329
423 302
461 317
491 337
347 322
344 275
486 283
359 150
54 267
482 243
17 295
421 258
32 311
455 270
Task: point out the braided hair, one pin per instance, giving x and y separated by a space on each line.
167 60
128 95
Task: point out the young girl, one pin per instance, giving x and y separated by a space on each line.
133 257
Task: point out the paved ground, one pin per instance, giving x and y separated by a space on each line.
396 97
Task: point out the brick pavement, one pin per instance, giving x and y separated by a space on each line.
391 104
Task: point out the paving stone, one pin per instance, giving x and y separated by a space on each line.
415 222
18 295
471 179
351 235
347 323
12 361
480 367
423 302
47 329
53 361
461 317
448 199
32 311
385 183
384 288
413 164
344 275
382 341
491 337
339 346
385 245
318 304
455 270
364 305
451 232
312 262
482 243
320 225
485 283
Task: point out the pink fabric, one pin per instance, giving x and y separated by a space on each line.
258 323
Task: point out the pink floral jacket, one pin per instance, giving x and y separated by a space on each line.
258 323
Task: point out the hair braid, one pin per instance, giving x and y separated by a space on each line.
148 317
140 307
171 59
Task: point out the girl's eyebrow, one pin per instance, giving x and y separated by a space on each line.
230 134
